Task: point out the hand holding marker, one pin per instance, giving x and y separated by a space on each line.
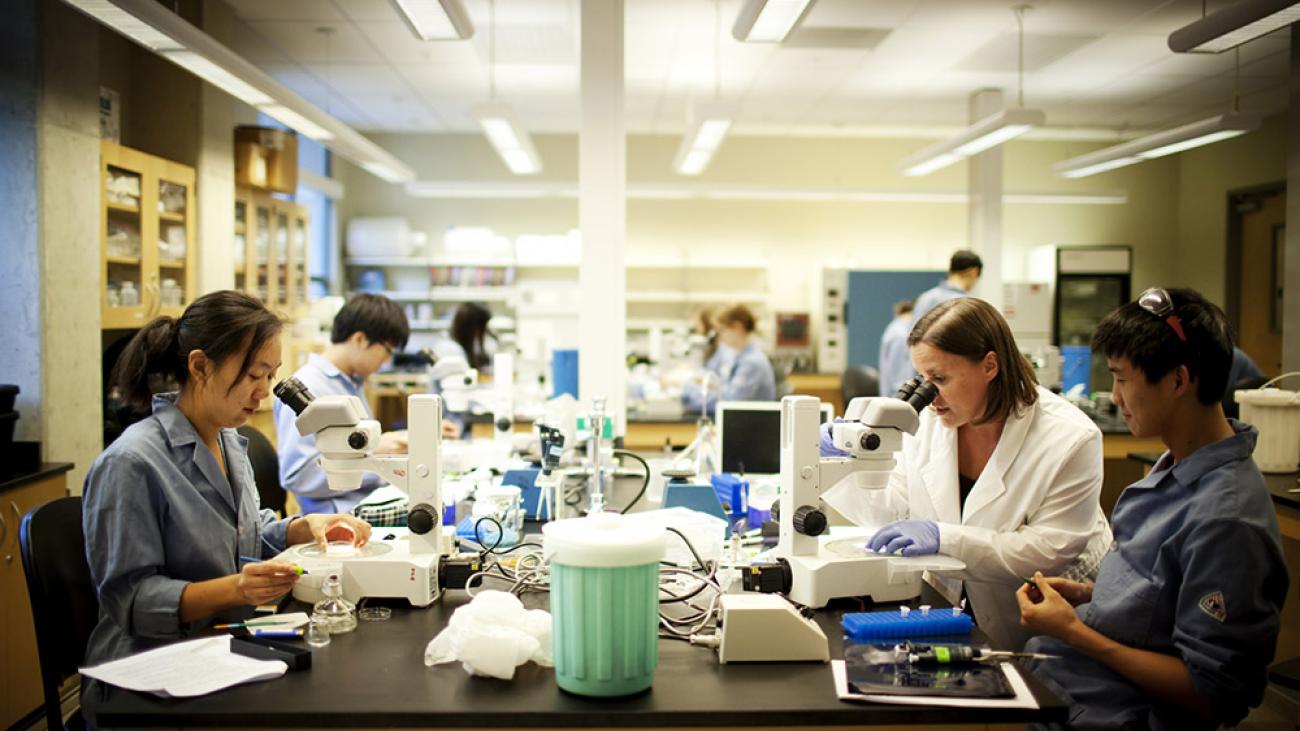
296 568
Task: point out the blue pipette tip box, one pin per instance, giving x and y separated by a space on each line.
866 626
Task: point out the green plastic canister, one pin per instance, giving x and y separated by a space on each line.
604 603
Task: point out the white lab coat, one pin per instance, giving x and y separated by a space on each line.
1034 508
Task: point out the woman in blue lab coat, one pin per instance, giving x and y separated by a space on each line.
171 506
741 367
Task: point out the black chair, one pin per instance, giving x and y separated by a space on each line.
266 469
65 607
859 381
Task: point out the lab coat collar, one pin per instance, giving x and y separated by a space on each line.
942 480
181 433
990 485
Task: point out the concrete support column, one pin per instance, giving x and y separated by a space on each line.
20 277
602 180
1291 276
984 211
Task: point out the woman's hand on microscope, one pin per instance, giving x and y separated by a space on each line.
321 528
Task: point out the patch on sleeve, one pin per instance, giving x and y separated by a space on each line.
1213 605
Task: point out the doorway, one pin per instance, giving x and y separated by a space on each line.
1256 244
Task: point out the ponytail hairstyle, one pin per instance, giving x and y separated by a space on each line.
222 324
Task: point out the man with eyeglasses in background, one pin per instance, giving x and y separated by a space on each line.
1181 624
363 337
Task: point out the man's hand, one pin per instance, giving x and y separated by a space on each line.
1049 613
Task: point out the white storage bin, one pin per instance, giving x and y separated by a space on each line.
1276 414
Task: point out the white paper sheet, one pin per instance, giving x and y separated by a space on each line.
186 669
1023 698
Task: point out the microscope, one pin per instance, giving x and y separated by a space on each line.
415 563
812 568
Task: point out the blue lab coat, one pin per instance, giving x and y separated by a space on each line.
1196 571
742 376
300 470
895 358
158 514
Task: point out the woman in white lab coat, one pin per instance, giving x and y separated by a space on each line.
1002 473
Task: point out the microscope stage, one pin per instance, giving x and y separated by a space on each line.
383 568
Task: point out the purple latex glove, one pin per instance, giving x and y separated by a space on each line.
914 537
827 443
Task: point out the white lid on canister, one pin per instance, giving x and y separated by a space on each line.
603 540
1267 397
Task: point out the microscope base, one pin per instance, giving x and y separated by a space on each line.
384 568
829 575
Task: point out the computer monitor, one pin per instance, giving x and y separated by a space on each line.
749 435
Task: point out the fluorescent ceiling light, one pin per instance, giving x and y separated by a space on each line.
290 118
1168 142
983 135
154 26
511 141
668 191
709 124
768 21
1233 25
219 77
436 20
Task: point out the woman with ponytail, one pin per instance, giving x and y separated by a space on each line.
171 506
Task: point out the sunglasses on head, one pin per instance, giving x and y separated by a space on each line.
1158 302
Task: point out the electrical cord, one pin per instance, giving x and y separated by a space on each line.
645 482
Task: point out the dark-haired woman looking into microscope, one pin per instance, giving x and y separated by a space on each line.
171 506
1002 473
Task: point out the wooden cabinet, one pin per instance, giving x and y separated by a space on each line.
147 237
270 255
20 693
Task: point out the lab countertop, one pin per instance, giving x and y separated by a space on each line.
376 677
18 478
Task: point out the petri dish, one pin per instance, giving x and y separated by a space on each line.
374 614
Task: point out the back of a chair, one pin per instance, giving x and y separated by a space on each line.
266 469
65 607
859 381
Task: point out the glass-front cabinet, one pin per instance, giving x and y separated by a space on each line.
146 239
272 233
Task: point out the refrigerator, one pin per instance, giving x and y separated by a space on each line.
1091 281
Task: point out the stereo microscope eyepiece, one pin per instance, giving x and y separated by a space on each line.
294 394
923 396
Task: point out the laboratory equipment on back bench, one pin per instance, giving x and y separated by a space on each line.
408 564
812 568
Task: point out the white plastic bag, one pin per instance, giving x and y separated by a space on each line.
493 635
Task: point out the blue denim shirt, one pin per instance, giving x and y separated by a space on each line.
300 470
1197 572
158 513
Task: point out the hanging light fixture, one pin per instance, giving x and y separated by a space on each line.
436 20
709 121
511 140
768 21
1233 25
984 134
1202 132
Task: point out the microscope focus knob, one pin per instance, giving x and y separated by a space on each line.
809 521
422 519
870 442
357 440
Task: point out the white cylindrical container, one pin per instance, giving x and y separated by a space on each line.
1276 414
604 603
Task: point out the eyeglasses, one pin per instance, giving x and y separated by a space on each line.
1157 302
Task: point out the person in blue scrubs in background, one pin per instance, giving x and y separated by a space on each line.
1181 624
964 270
895 357
171 506
743 371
